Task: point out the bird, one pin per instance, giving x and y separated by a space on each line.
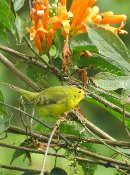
53 101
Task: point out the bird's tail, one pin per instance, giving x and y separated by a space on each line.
26 94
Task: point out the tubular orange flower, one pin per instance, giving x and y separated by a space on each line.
40 32
81 12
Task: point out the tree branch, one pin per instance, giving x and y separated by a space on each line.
23 77
104 161
44 137
19 168
97 156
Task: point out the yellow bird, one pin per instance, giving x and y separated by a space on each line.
54 100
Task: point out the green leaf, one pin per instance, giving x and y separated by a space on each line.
59 41
18 4
99 63
110 47
4 119
82 42
109 81
18 153
6 16
21 25
71 128
58 171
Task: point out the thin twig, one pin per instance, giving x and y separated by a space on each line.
83 121
31 48
97 156
19 168
30 150
39 136
47 148
119 170
124 122
92 127
12 67
48 144
103 163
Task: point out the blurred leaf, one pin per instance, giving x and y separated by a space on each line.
88 168
18 4
82 42
7 17
34 173
58 171
109 81
4 119
36 74
59 40
98 62
113 101
18 153
110 47
31 173
57 61
75 58
4 123
125 97
72 128
3 34
21 25
51 1
68 4
119 173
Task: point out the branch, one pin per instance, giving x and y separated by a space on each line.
35 61
97 156
12 67
23 56
103 163
40 136
20 169
30 150
107 162
44 137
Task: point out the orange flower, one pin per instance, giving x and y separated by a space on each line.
72 22
40 32
84 13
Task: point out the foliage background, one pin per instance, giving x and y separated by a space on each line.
99 117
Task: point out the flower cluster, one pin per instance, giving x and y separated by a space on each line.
46 19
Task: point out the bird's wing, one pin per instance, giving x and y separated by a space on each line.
49 98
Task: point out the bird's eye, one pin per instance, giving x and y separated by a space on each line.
34 98
79 91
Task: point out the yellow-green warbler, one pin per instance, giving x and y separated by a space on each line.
54 100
